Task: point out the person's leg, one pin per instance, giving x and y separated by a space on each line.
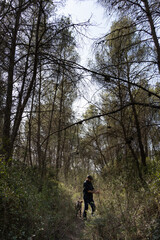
85 208
92 206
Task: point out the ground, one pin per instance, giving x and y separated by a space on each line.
76 233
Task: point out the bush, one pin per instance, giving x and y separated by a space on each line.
29 211
125 210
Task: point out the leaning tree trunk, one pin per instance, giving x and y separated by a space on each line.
30 87
153 31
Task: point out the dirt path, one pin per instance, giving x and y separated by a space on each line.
76 233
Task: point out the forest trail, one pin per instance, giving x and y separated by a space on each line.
76 233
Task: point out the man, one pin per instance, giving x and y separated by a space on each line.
88 191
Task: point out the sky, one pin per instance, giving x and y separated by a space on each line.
81 11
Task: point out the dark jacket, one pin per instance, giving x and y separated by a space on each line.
87 185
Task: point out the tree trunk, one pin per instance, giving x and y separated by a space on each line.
139 136
30 88
50 122
39 124
58 160
153 31
6 141
19 110
126 138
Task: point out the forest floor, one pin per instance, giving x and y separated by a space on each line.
76 233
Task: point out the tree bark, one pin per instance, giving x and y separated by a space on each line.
153 31
39 150
139 136
58 160
30 88
6 141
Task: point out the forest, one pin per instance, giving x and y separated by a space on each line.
46 152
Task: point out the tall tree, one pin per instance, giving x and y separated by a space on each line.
51 111
145 15
34 52
120 58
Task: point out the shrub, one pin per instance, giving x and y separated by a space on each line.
29 211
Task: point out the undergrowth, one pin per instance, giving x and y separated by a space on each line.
126 209
30 210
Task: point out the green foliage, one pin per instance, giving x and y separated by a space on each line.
29 208
125 210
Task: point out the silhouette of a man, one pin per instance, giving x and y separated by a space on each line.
88 191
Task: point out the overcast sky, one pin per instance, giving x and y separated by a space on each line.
81 11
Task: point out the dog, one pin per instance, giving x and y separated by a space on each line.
78 208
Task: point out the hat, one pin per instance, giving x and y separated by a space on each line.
90 177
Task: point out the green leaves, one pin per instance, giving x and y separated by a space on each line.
26 211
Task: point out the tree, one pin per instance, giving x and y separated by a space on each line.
120 58
15 56
145 15
50 109
36 50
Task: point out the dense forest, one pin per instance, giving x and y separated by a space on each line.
46 152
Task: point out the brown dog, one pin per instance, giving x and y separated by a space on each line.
78 208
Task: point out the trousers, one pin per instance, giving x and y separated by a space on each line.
86 203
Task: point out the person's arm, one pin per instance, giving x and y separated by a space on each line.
93 191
